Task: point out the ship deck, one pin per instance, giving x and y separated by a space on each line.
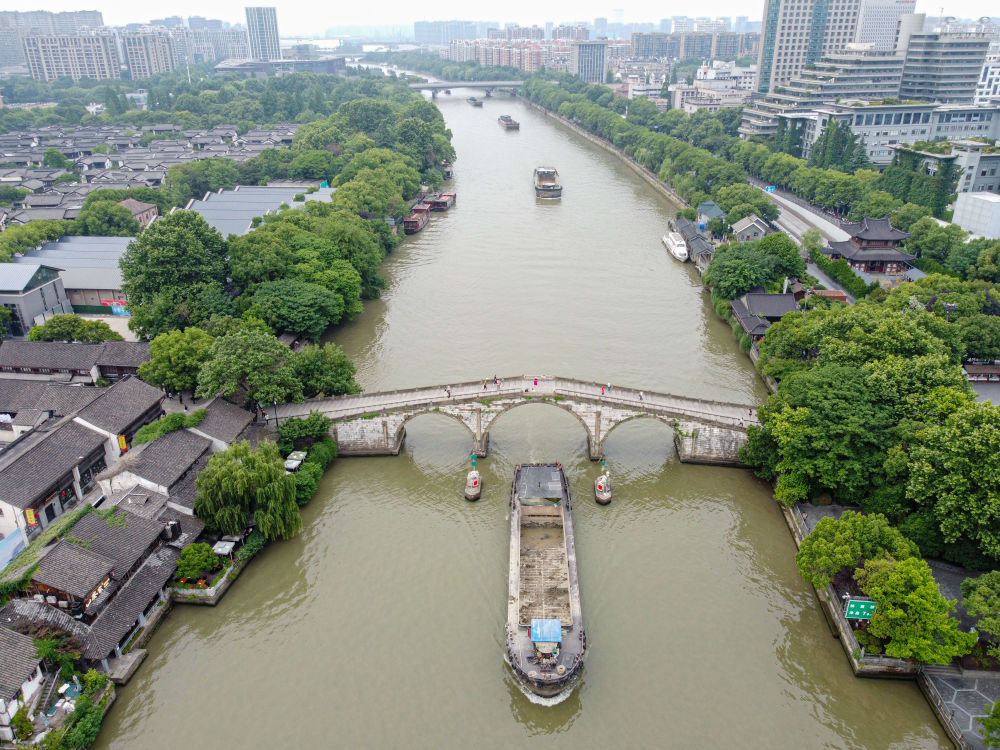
544 579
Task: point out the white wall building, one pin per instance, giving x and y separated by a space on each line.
978 213
589 60
877 21
989 79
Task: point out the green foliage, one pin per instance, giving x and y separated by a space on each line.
846 543
306 480
170 423
106 219
981 598
175 359
84 724
324 371
196 559
300 433
22 238
735 270
841 272
73 328
241 483
298 307
991 726
60 650
53 158
322 452
911 613
23 726
252 361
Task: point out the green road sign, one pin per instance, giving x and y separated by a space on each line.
859 609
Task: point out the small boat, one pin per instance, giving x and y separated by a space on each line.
508 123
602 488
675 243
446 169
474 101
473 485
417 219
545 636
448 92
547 183
440 201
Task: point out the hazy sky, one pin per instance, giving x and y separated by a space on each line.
313 18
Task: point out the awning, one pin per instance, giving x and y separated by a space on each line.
546 631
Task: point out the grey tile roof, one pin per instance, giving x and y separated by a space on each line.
59 398
165 460
770 305
60 355
123 538
29 612
874 229
849 250
183 491
121 404
123 353
121 613
72 568
17 662
223 420
753 325
191 527
24 480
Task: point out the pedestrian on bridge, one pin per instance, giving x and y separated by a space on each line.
602 390
640 395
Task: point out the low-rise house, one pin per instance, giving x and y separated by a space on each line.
709 210
222 424
144 213
32 293
749 228
20 677
59 360
756 311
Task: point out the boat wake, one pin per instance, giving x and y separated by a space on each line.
539 700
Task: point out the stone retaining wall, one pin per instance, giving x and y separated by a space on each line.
210 596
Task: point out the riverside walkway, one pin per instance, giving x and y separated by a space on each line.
373 423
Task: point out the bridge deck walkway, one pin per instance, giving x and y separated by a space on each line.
376 402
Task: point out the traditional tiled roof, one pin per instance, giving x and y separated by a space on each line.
753 325
770 305
711 210
121 613
25 479
123 538
136 207
123 354
849 250
72 568
31 612
753 220
191 527
121 404
18 661
223 420
60 355
183 492
166 459
19 395
874 229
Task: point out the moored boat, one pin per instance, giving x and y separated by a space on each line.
545 636
417 219
676 245
508 122
474 101
547 183
440 201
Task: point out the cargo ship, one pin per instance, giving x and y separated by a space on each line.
508 123
440 201
545 636
417 219
547 183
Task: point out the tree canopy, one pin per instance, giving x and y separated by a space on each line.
73 328
176 357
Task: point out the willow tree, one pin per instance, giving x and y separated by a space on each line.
243 485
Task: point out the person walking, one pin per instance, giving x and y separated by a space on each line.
484 385
447 389
640 395
602 390
609 387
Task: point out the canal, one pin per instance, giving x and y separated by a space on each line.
382 623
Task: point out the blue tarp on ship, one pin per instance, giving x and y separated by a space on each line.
546 631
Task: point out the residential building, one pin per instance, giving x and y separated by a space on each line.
149 52
20 676
262 29
750 228
707 211
47 22
33 293
576 33
872 248
978 214
144 213
798 32
878 19
757 311
943 67
208 45
71 362
652 46
589 60
92 55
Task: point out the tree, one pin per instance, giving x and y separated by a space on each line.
252 361
106 219
911 613
298 307
955 475
196 559
736 271
847 542
991 726
981 598
324 371
297 434
175 359
53 158
928 239
240 484
73 328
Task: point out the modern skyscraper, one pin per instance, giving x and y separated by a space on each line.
262 28
589 60
798 32
877 21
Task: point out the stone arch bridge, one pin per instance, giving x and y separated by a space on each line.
374 424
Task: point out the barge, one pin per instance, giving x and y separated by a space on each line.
440 201
508 123
545 636
417 219
474 101
547 183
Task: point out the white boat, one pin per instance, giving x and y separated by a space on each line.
676 245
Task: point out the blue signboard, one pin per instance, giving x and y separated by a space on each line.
546 631
769 189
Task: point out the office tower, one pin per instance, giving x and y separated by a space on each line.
943 67
877 21
666 25
800 32
148 52
989 80
262 28
740 25
548 29
52 56
589 60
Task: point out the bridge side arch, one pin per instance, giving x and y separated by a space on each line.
671 423
407 416
563 406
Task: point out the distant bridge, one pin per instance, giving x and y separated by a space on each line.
373 424
489 86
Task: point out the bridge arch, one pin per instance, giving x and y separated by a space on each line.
670 423
410 416
541 402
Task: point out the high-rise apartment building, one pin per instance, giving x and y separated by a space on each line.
208 45
262 28
149 52
943 67
798 32
573 33
52 56
589 60
878 19
989 79
47 22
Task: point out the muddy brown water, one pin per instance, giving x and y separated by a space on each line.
382 623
